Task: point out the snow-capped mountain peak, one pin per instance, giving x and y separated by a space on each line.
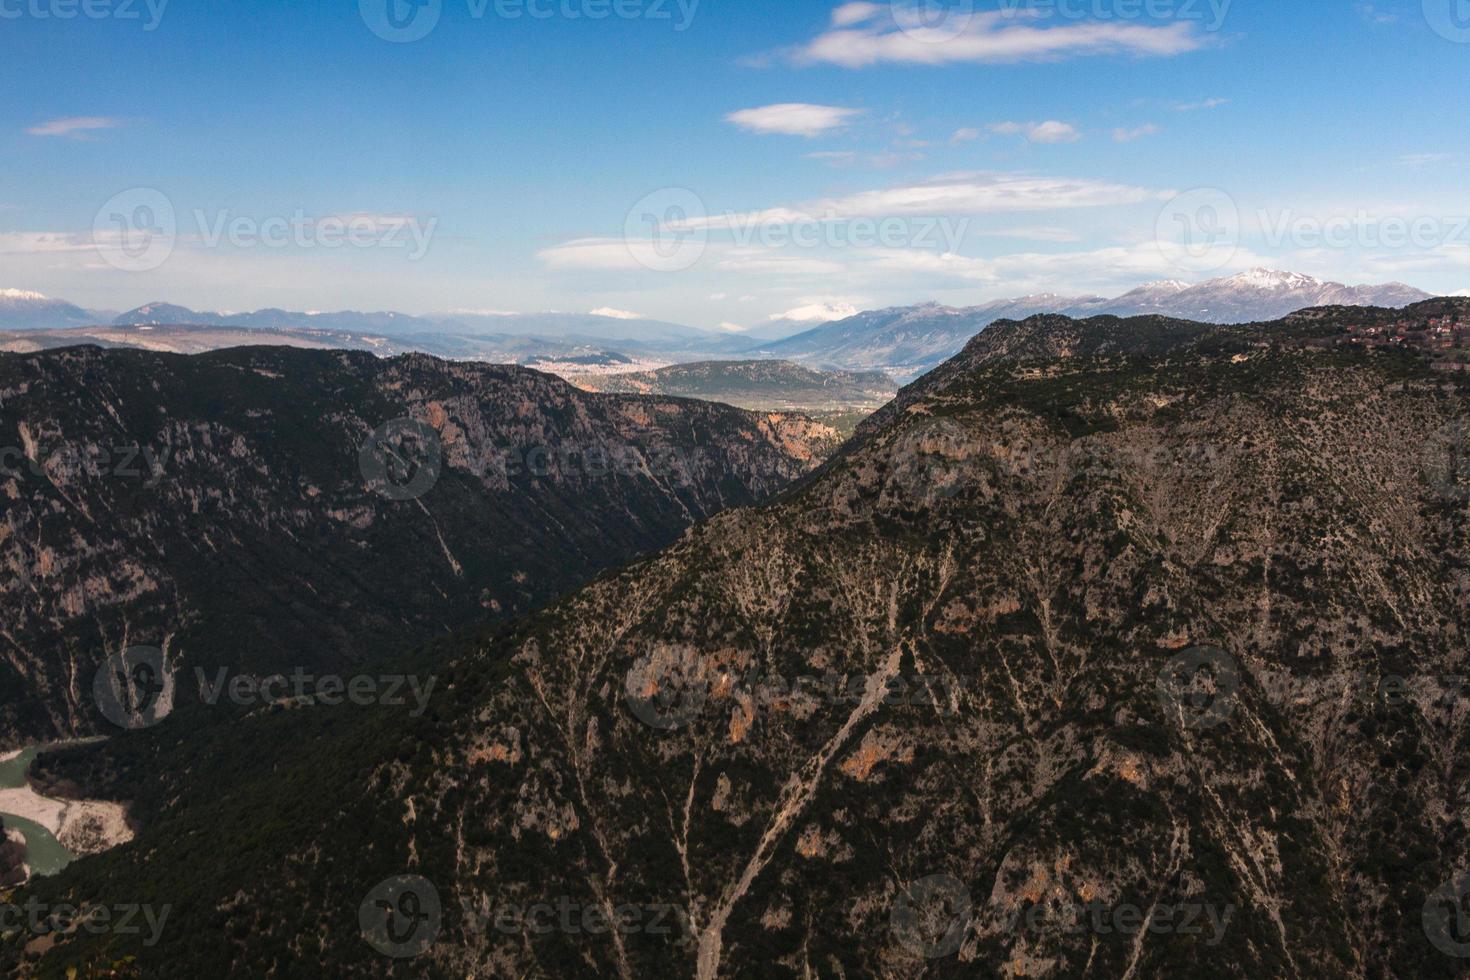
26 309
1263 278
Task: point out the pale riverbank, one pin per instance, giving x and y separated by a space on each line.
56 831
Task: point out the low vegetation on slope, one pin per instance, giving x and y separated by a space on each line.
1136 661
262 509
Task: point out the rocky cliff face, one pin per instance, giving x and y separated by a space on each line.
264 509
1111 664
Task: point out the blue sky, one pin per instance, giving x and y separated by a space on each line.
721 162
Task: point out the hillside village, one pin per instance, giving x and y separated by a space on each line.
1447 336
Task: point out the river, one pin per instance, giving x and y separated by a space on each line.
44 853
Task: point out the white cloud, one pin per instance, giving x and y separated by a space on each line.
1050 131
1137 133
860 35
965 135
608 311
601 253
793 119
855 13
956 193
74 127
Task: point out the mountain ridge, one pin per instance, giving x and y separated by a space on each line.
1003 580
910 340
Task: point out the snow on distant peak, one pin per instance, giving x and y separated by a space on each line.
613 314
1262 278
22 294
819 313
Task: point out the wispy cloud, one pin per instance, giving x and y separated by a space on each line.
1136 133
1373 14
1035 234
957 193
1418 160
864 34
793 119
836 158
74 127
882 160
966 135
1050 131
1203 104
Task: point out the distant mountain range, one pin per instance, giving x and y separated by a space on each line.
908 341
756 385
903 342
559 325
23 310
